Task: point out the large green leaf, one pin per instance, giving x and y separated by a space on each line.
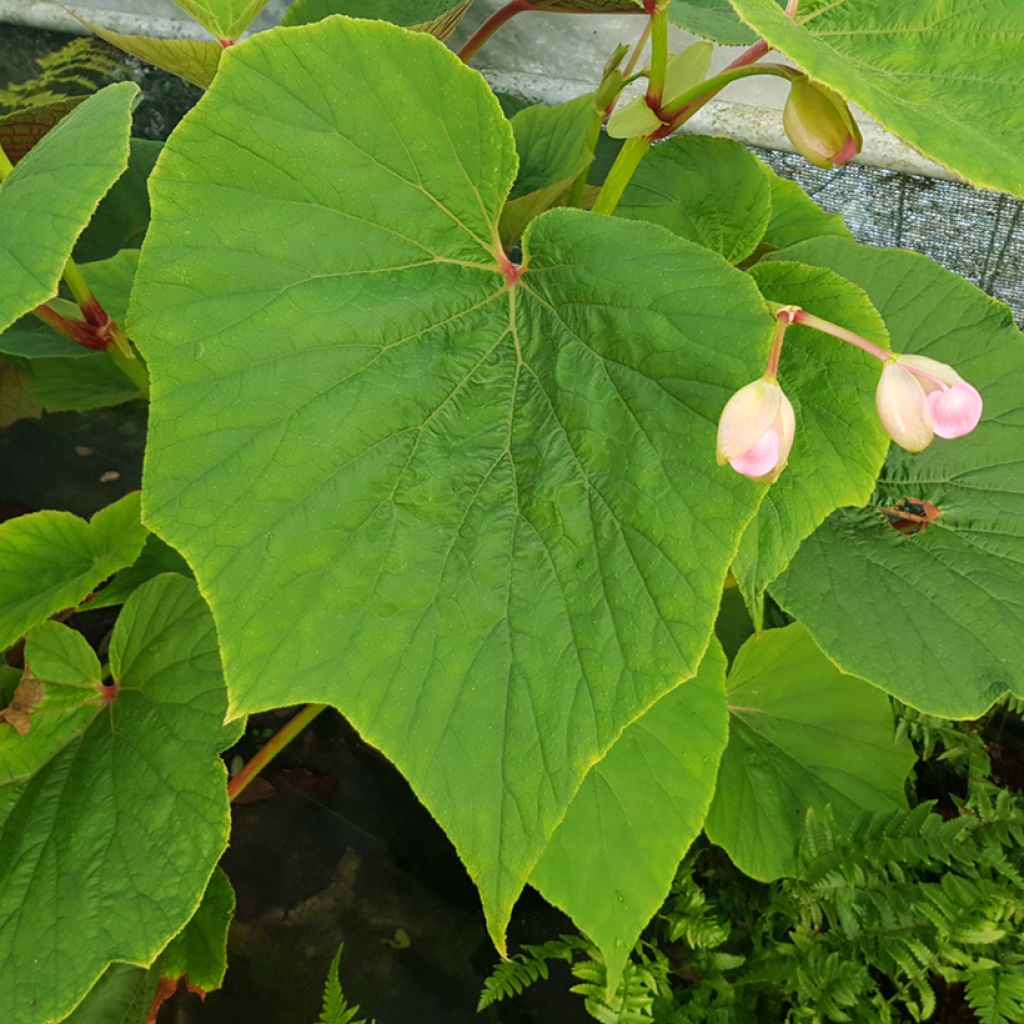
944 75
936 619
711 191
50 195
66 375
801 735
107 848
438 17
611 862
480 517
49 561
840 445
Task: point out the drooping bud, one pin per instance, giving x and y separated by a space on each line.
756 429
820 125
918 397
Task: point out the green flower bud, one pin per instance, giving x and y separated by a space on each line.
820 125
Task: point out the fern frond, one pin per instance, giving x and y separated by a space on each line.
997 995
511 977
631 1003
336 1008
79 68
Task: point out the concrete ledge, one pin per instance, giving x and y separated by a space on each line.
519 60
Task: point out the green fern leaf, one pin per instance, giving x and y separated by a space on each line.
996 996
336 1008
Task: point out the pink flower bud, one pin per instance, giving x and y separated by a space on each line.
820 125
755 432
918 397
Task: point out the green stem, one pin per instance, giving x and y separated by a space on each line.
626 163
707 89
123 355
771 369
659 56
272 748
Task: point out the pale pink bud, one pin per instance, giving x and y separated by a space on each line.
918 397
755 432
820 125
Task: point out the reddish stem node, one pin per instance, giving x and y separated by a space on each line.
749 56
77 330
512 271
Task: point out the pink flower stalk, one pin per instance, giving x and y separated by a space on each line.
918 397
755 431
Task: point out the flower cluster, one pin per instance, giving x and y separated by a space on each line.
917 399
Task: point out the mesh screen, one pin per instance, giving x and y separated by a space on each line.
978 235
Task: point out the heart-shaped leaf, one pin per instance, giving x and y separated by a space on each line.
908 64
107 846
801 735
937 619
481 511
